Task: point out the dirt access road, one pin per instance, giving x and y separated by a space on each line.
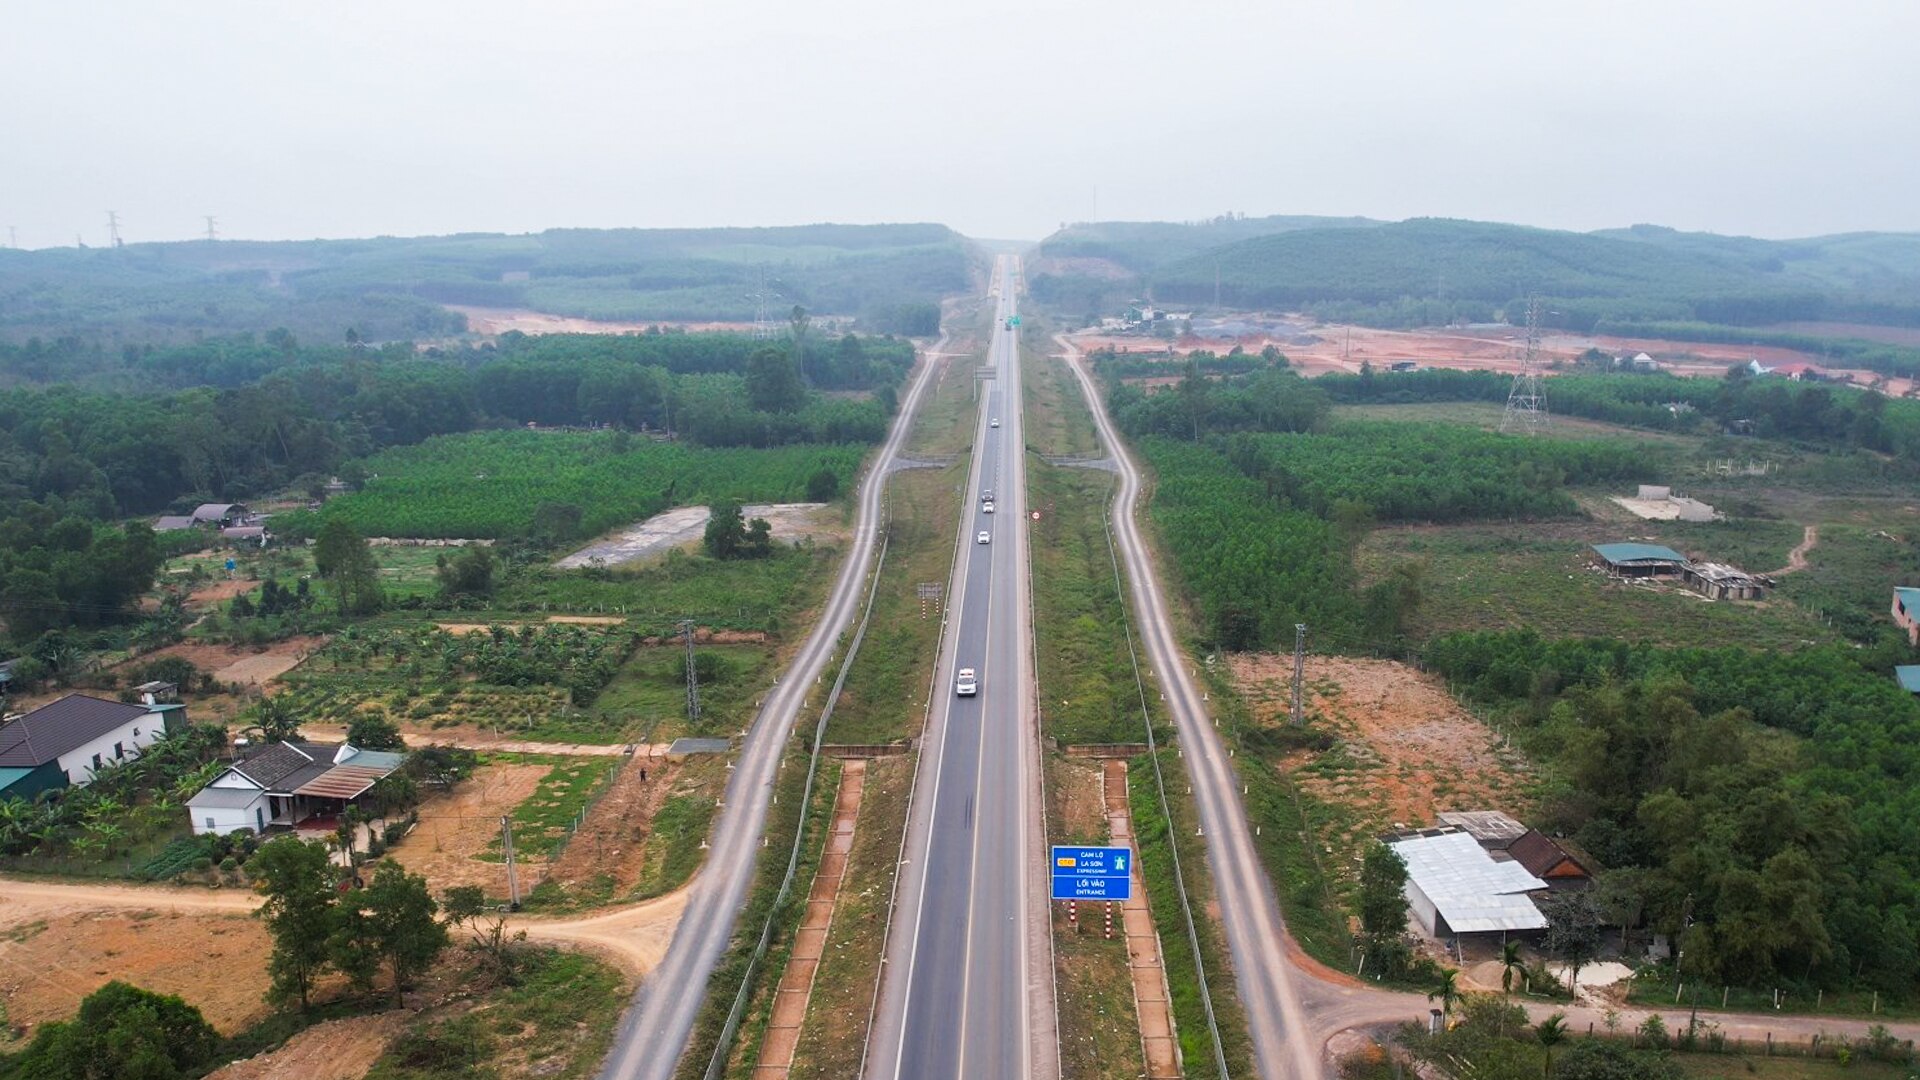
631 938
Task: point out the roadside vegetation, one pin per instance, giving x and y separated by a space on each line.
1746 803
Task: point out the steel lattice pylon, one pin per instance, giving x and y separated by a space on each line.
1527 401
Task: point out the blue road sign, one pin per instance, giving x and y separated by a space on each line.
1092 873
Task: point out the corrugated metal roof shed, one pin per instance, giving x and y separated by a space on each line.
1638 553
1472 890
1491 827
342 782
1909 676
1909 597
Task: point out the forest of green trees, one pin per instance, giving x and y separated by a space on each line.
75 461
1261 499
888 276
1769 798
1826 416
1428 272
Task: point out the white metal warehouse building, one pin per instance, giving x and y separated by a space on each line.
1454 886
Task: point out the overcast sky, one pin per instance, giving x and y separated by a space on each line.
1002 118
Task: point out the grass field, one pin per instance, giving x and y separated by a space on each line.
1539 575
672 852
649 695
544 822
726 594
491 483
1057 420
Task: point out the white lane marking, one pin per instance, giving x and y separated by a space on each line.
945 713
979 773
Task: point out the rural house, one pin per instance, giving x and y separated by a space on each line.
1455 886
1552 861
289 785
173 522
1495 831
1640 560
1906 611
220 514
68 741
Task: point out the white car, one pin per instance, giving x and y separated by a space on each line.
994 423
986 508
966 685
983 538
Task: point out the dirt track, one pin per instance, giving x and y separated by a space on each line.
1797 558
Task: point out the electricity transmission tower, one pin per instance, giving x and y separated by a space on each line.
1527 400
113 228
212 233
761 297
693 675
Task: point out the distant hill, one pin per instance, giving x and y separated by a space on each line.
1436 270
391 288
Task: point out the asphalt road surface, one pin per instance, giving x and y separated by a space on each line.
1284 1043
654 1032
968 983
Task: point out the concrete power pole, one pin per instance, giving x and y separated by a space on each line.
1299 670
506 847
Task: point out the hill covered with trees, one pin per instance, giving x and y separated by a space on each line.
889 276
1430 270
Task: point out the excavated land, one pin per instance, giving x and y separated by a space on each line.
1404 749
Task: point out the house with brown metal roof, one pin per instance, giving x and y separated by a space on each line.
1555 862
289 785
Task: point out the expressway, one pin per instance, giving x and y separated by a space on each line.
655 1030
967 988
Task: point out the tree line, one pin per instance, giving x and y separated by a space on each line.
1761 810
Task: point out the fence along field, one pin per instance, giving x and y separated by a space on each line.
489 485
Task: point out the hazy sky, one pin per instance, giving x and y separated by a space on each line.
362 117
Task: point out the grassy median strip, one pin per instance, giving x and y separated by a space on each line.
882 701
835 1029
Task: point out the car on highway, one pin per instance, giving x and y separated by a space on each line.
984 537
995 422
966 685
986 508
986 496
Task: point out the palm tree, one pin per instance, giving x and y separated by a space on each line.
1510 965
1552 1032
1448 991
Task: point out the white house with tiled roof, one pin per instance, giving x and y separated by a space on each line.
287 783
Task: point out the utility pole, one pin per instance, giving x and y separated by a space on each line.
212 233
13 237
506 846
1299 670
1527 401
113 228
693 674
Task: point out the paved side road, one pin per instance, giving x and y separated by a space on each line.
655 1031
1283 1044
1294 1005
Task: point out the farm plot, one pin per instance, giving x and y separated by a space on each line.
492 484
217 962
532 681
